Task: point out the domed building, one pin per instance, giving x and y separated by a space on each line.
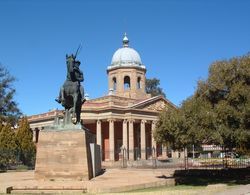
124 120
126 74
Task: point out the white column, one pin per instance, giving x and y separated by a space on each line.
34 135
153 142
152 134
99 133
131 139
111 140
125 134
143 140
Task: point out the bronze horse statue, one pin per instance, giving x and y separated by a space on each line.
71 94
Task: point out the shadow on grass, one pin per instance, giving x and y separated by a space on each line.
204 177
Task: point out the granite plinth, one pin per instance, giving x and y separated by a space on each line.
63 155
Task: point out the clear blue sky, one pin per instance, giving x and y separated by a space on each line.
177 41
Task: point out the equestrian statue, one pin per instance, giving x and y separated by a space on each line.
71 95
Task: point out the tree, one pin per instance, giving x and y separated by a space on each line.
25 143
171 129
9 111
227 90
9 114
8 147
152 87
218 112
190 124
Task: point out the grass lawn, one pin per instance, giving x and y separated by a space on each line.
201 182
183 189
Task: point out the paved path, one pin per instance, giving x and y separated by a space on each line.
115 180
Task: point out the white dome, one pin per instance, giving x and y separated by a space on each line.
126 56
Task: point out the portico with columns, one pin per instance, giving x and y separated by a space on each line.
123 128
123 120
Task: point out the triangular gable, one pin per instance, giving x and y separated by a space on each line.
157 103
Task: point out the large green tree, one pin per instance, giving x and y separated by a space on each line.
218 112
153 87
9 114
25 143
9 111
8 146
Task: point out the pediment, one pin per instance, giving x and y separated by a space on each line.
157 104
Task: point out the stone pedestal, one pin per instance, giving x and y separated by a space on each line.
64 154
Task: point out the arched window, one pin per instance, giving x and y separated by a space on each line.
114 84
126 82
139 83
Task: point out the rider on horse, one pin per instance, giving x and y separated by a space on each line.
73 74
79 78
